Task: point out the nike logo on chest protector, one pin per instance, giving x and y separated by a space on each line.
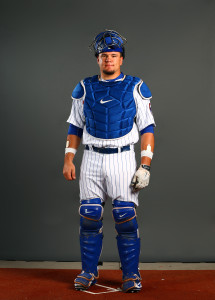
102 101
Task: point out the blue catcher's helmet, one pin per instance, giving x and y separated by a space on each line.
108 41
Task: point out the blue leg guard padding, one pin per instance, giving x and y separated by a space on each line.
91 234
128 241
129 251
91 247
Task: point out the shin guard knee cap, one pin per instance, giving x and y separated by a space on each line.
125 218
91 212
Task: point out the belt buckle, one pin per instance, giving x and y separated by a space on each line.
90 147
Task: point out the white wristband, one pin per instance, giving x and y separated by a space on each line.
147 152
70 150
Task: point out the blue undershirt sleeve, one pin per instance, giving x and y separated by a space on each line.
149 128
75 130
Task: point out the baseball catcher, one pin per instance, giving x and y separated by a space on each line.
109 113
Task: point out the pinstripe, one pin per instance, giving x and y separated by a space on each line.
105 169
128 175
116 186
130 195
101 175
94 159
88 163
124 174
97 177
92 168
85 174
82 178
134 170
111 176
102 182
110 158
117 177
144 116
76 116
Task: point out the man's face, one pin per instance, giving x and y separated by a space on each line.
110 62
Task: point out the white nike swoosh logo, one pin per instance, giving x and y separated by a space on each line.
102 101
122 215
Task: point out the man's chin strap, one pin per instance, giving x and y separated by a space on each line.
128 240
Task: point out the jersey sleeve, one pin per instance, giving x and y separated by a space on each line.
144 116
77 115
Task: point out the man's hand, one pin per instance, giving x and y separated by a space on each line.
68 168
140 179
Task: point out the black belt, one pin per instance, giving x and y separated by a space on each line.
108 150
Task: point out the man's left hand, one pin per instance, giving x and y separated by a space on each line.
140 179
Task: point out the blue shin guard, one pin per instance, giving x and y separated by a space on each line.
128 243
129 251
90 242
91 247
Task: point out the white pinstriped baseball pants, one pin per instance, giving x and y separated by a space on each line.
103 175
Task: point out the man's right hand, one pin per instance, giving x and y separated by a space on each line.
68 168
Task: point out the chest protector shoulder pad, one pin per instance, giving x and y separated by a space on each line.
109 107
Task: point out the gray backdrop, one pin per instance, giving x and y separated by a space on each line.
44 53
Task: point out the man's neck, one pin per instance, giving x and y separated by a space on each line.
109 77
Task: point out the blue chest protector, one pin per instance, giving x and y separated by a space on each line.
109 107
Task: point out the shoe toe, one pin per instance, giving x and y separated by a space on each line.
131 284
84 280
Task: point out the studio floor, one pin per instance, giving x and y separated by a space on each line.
20 280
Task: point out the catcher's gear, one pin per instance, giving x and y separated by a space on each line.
91 209
131 284
108 41
125 219
144 91
84 280
91 234
129 252
109 107
140 179
128 243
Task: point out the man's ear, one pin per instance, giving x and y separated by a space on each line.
121 62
